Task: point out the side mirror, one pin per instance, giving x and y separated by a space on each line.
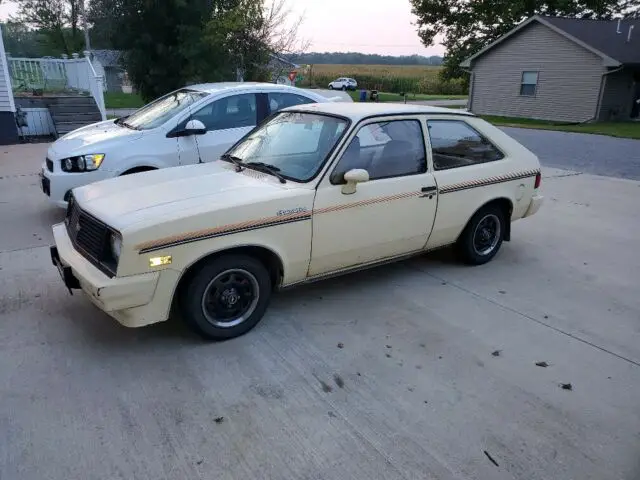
353 178
195 127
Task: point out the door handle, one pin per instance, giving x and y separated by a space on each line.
428 192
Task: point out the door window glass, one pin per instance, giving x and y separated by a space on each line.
385 149
236 111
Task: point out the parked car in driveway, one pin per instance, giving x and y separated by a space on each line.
315 191
191 125
343 83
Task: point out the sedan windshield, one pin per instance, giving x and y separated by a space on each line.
159 111
293 144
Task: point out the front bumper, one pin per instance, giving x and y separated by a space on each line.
57 184
131 300
534 205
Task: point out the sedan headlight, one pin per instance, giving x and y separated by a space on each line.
115 242
83 163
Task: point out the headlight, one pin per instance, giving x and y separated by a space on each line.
116 245
83 163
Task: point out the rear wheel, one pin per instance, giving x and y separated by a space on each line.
483 236
344 88
227 297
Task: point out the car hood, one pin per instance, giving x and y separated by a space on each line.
94 138
170 193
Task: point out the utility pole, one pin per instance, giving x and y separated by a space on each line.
87 41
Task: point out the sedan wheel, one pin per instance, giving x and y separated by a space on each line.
483 236
227 297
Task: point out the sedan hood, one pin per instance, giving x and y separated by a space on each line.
95 138
159 195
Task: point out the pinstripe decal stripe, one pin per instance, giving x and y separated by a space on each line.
246 226
456 187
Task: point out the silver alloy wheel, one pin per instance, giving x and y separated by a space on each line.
230 298
486 235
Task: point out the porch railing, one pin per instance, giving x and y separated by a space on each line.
58 75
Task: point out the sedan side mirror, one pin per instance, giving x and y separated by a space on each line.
353 178
195 127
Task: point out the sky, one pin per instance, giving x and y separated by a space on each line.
368 26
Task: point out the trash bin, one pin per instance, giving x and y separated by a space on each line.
363 95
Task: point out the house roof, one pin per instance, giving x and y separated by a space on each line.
108 58
598 36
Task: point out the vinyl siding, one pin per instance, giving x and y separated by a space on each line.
5 88
617 98
569 78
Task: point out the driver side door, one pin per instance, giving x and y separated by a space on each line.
390 215
227 120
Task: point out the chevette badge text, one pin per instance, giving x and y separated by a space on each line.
291 211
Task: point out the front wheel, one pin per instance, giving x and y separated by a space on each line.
227 297
483 236
344 88
330 87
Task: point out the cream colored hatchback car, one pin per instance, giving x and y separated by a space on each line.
314 191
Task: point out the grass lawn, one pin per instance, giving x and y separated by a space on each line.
122 100
613 129
395 97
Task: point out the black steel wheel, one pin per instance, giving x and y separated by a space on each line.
483 236
227 297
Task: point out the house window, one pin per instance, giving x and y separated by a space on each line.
529 84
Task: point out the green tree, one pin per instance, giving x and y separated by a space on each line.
58 21
170 43
469 25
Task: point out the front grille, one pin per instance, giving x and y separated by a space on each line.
50 165
90 237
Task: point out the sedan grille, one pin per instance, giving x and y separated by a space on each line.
90 237
50 165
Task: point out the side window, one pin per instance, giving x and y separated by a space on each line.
529 84
456 144
278 101
385 149
236 111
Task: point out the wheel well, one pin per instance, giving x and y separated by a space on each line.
268 258
138 170
506 206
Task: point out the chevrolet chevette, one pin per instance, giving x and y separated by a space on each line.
313 191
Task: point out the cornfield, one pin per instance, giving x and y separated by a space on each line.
386 78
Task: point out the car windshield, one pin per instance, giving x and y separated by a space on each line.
293 144
159 111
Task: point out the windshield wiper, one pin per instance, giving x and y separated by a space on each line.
237 161
121 121
267 168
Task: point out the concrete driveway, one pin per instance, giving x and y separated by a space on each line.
425 369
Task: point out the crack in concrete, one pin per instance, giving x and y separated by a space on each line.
529 317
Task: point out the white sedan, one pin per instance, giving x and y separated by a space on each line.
195 124
316 191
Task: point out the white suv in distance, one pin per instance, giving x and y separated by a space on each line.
195 124
343 83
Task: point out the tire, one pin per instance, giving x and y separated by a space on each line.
218 314
344 88
330 87
483 236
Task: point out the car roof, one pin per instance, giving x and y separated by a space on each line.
219 86
357 111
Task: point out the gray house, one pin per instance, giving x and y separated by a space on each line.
560 69
109 64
